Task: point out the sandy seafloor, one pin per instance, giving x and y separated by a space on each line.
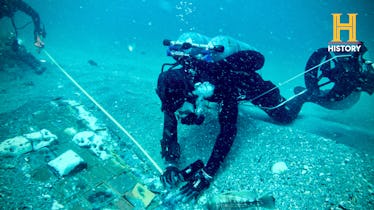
329 154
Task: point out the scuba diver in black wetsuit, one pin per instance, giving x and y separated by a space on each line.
222 77
7 9
221 70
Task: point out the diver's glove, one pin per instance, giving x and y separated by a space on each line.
195 186
171 177
190 171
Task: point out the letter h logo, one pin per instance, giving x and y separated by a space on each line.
338 26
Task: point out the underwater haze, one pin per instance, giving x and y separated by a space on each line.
114 50
285 32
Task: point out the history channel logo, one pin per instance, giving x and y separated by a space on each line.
336 45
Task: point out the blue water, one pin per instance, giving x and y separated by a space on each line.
120 32
287 28
286 32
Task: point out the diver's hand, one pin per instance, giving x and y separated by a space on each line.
171 177
190 171
38 42
195 186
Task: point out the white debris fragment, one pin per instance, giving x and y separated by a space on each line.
40 139
70 131
57 206
89 119
15 146
279 167
67 162
93 141
72 103
84 138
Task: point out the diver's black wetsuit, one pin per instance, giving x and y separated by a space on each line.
9 7
231 77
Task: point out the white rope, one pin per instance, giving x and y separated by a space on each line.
106 113
293 78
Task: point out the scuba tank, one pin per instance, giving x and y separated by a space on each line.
190 45
199 48
231 46
193 38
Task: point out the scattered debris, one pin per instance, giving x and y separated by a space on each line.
92 141
40 139
15 146
70 131
26 143
60 183
67 162
90 120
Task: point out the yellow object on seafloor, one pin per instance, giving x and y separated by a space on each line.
140 192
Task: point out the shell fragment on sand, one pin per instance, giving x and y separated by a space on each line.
279 167
67 162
